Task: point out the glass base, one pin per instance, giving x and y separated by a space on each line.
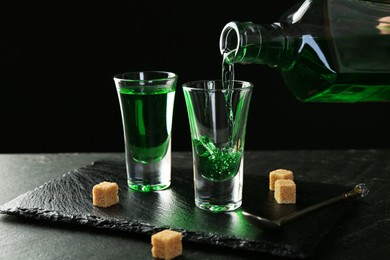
218 208
149 177
147 188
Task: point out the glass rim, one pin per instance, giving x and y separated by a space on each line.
168 76
245 85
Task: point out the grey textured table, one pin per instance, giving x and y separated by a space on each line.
362 233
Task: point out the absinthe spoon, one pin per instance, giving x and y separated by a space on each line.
360 190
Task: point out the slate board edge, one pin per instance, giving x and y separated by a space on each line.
148 229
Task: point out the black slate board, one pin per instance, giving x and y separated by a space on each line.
69 199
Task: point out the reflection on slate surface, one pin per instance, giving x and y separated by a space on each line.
69 199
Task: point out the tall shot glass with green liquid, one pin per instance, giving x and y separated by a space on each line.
217 117
146 101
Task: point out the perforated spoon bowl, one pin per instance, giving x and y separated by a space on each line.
359 190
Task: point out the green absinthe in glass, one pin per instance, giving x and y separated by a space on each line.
145 114
216 164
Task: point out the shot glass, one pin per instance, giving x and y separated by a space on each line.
218 118
146 101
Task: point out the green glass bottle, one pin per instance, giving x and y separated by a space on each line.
326 50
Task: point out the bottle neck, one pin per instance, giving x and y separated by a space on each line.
246 42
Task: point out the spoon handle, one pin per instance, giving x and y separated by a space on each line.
360 190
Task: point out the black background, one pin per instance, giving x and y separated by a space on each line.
58 60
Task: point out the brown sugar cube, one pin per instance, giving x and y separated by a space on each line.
285 191
166 244
105 194
279 174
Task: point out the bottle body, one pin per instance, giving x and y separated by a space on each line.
326 50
